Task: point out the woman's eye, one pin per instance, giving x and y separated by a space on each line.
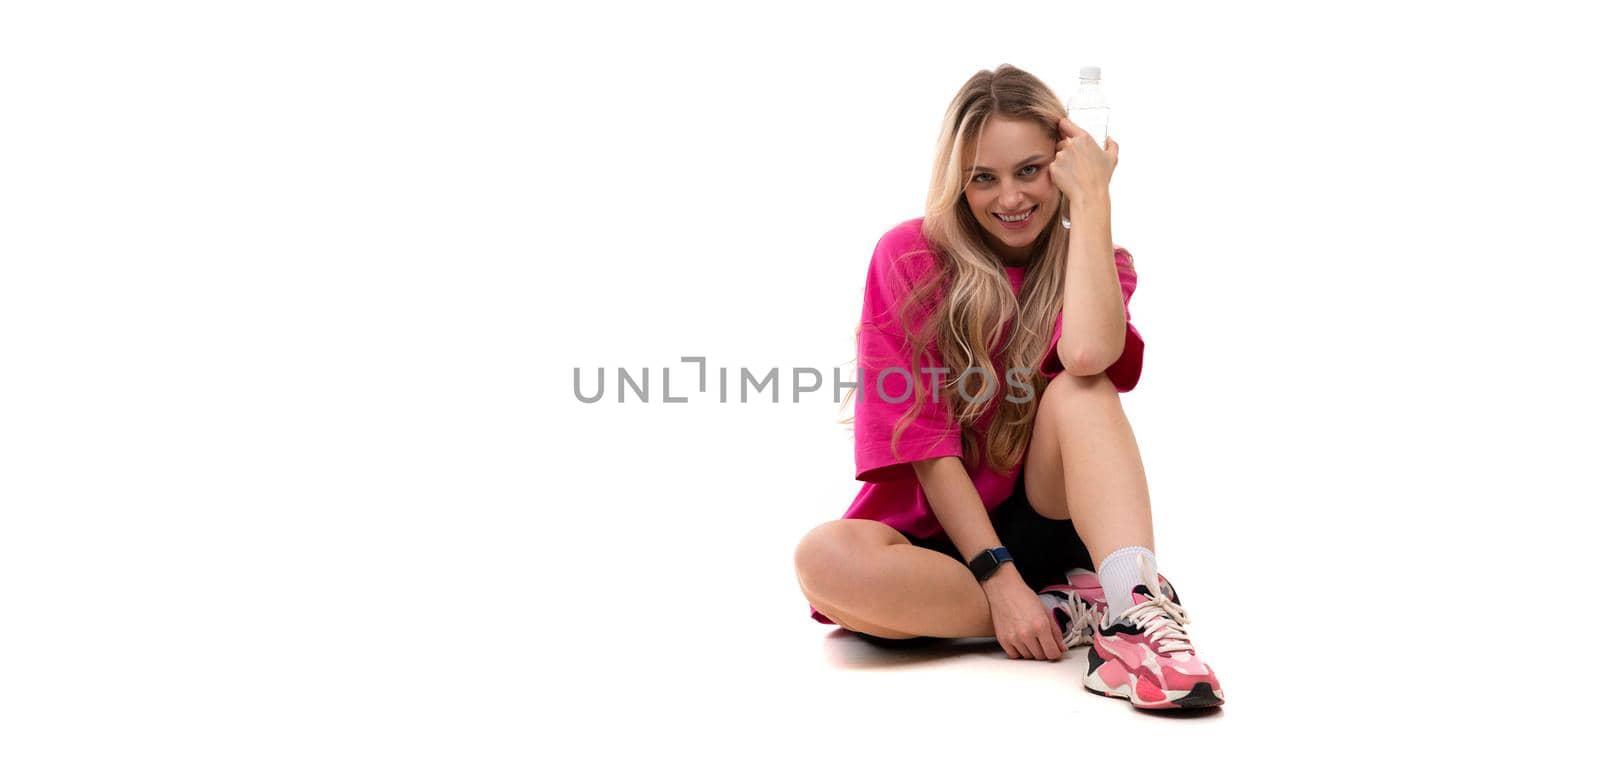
980 177
1030 170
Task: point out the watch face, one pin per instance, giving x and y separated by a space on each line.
987 562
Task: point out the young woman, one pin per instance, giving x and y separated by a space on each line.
994 476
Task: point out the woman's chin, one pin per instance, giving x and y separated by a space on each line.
1011 246
1016 238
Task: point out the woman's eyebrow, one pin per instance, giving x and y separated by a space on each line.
1023 162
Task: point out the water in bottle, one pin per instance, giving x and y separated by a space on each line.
1087 107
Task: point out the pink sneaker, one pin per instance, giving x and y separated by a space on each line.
1144 656
1077 605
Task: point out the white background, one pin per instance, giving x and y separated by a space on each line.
292 294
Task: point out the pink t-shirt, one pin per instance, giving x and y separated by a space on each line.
891 493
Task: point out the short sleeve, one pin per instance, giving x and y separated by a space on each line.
886 367
1124 372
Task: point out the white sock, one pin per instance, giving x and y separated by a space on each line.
1119 573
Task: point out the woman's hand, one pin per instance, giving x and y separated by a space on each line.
1081 169
1022 625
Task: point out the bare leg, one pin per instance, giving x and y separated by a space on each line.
867 577
1083 455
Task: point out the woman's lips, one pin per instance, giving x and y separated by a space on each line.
1023 224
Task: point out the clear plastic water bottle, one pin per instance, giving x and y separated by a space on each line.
1087 107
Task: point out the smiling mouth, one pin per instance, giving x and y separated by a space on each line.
1015 219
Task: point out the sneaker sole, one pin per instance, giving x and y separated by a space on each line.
1109 678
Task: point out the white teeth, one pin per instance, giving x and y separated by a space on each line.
1017 218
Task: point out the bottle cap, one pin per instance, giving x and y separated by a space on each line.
1091 73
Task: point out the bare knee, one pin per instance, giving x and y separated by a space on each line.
1065 389
829 556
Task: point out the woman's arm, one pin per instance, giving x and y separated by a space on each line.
1021 624
1092 316
955 501
1093 321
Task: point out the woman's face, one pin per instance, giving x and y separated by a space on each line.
1010 176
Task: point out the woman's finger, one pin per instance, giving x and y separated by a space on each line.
1052 647
1068 129
1033 647
1050 640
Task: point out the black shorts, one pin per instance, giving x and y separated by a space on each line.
1042 549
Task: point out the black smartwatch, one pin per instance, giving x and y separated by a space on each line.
988 561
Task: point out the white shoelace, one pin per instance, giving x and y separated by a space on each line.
1082 617
1163 621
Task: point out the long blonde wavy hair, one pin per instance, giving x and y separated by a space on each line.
976 309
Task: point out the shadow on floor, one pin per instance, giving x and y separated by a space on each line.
846 649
